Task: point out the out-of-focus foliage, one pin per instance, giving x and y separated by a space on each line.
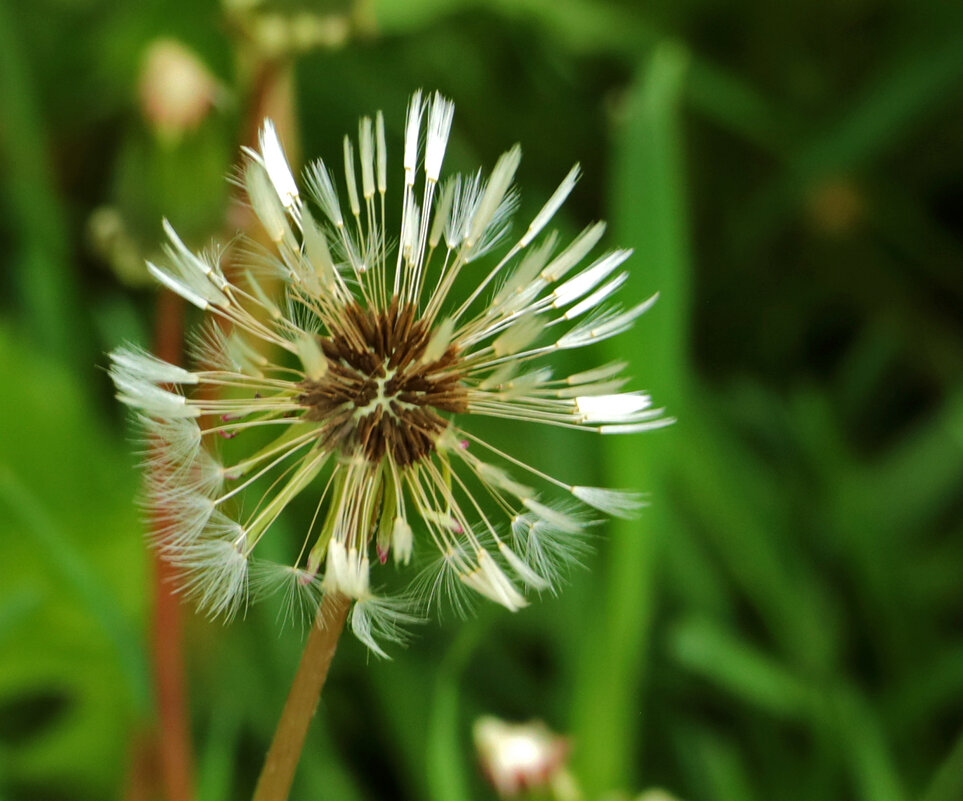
73 678
784 620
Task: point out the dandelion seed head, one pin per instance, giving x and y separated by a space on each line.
383 367
519 759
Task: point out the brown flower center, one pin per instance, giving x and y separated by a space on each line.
379 395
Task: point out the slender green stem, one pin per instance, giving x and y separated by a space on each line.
649 213
947 782
41 268
274 783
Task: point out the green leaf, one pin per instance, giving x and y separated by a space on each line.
947 783
863 743
42 270
739 668
650 215
69 535
446 769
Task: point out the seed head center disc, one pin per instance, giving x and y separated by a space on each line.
380 396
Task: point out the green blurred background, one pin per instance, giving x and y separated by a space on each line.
784 622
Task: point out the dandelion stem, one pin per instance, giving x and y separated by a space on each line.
276 777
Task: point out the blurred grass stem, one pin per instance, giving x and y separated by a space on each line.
41 270
649 212
274 783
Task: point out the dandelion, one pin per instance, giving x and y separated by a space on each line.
346 365
522 759
529 760
175 88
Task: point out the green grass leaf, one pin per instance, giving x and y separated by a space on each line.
649 215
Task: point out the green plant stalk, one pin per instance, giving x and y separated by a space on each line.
649 214
46 282
947 782
446 771
70 566
277 775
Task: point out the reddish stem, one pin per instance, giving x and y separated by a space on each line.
174 737
169 750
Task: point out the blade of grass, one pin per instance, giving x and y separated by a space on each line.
693 577
326 775
750 539
446 773
649 214
739 668
715 766
863 743
590 27
912 701
73 568
47 286
947 783
215 769
16 609
920 473
405 714
898 100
